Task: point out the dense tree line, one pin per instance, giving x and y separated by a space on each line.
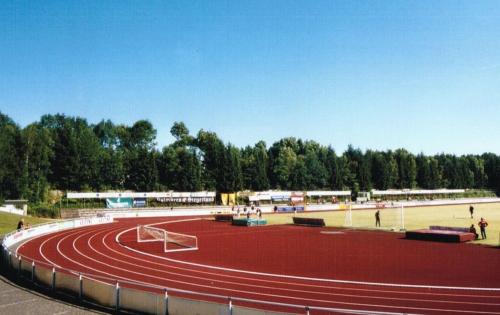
67 153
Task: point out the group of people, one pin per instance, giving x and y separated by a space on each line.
482 227
249 212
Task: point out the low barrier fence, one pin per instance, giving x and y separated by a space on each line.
133 296
130 296
123 295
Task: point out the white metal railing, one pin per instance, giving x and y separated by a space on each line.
47 275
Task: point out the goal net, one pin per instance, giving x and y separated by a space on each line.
172 242
391 218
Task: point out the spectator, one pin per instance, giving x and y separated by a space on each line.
20 224
482 225
472 230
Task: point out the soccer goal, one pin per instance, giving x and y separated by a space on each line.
391 218
172 242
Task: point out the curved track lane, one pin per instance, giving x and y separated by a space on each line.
109 254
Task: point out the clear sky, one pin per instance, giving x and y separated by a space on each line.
423 75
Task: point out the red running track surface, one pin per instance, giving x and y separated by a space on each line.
319 267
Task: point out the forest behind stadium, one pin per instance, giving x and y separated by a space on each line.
67 153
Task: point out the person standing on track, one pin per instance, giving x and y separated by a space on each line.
482 225
471 210
377 218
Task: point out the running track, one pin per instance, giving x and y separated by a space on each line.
341 269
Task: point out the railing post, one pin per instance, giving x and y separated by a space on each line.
230 306
19 262
166 303
53 278
117 301
33 271
80 291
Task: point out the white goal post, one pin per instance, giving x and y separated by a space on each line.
172 242
391 217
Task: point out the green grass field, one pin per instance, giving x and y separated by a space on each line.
8 221
415 218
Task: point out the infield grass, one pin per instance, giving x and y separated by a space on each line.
415 218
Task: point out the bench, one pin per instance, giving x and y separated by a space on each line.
223 217
309 221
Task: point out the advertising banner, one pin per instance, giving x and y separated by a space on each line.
224 199
280 198
139 202
232 199
119 203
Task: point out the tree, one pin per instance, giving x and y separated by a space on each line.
423 171
492 170
181 134
285 164
10 158
38 151
435 174
111 159
212 155
299 177
384 170
137 145
232 178
254 166
74 165
316 175
407 169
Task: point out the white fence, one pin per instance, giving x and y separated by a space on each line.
21 235
12 209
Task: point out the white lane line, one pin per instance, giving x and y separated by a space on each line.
121 277
315 279
273 281
275 288
416 300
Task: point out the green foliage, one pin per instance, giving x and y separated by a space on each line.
10 159
66 153
44 211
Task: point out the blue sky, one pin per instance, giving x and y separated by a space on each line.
423 75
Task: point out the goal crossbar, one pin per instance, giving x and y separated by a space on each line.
392 218
181 242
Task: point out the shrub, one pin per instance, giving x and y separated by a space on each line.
44 211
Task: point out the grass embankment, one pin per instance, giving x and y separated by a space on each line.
415 218
8 221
